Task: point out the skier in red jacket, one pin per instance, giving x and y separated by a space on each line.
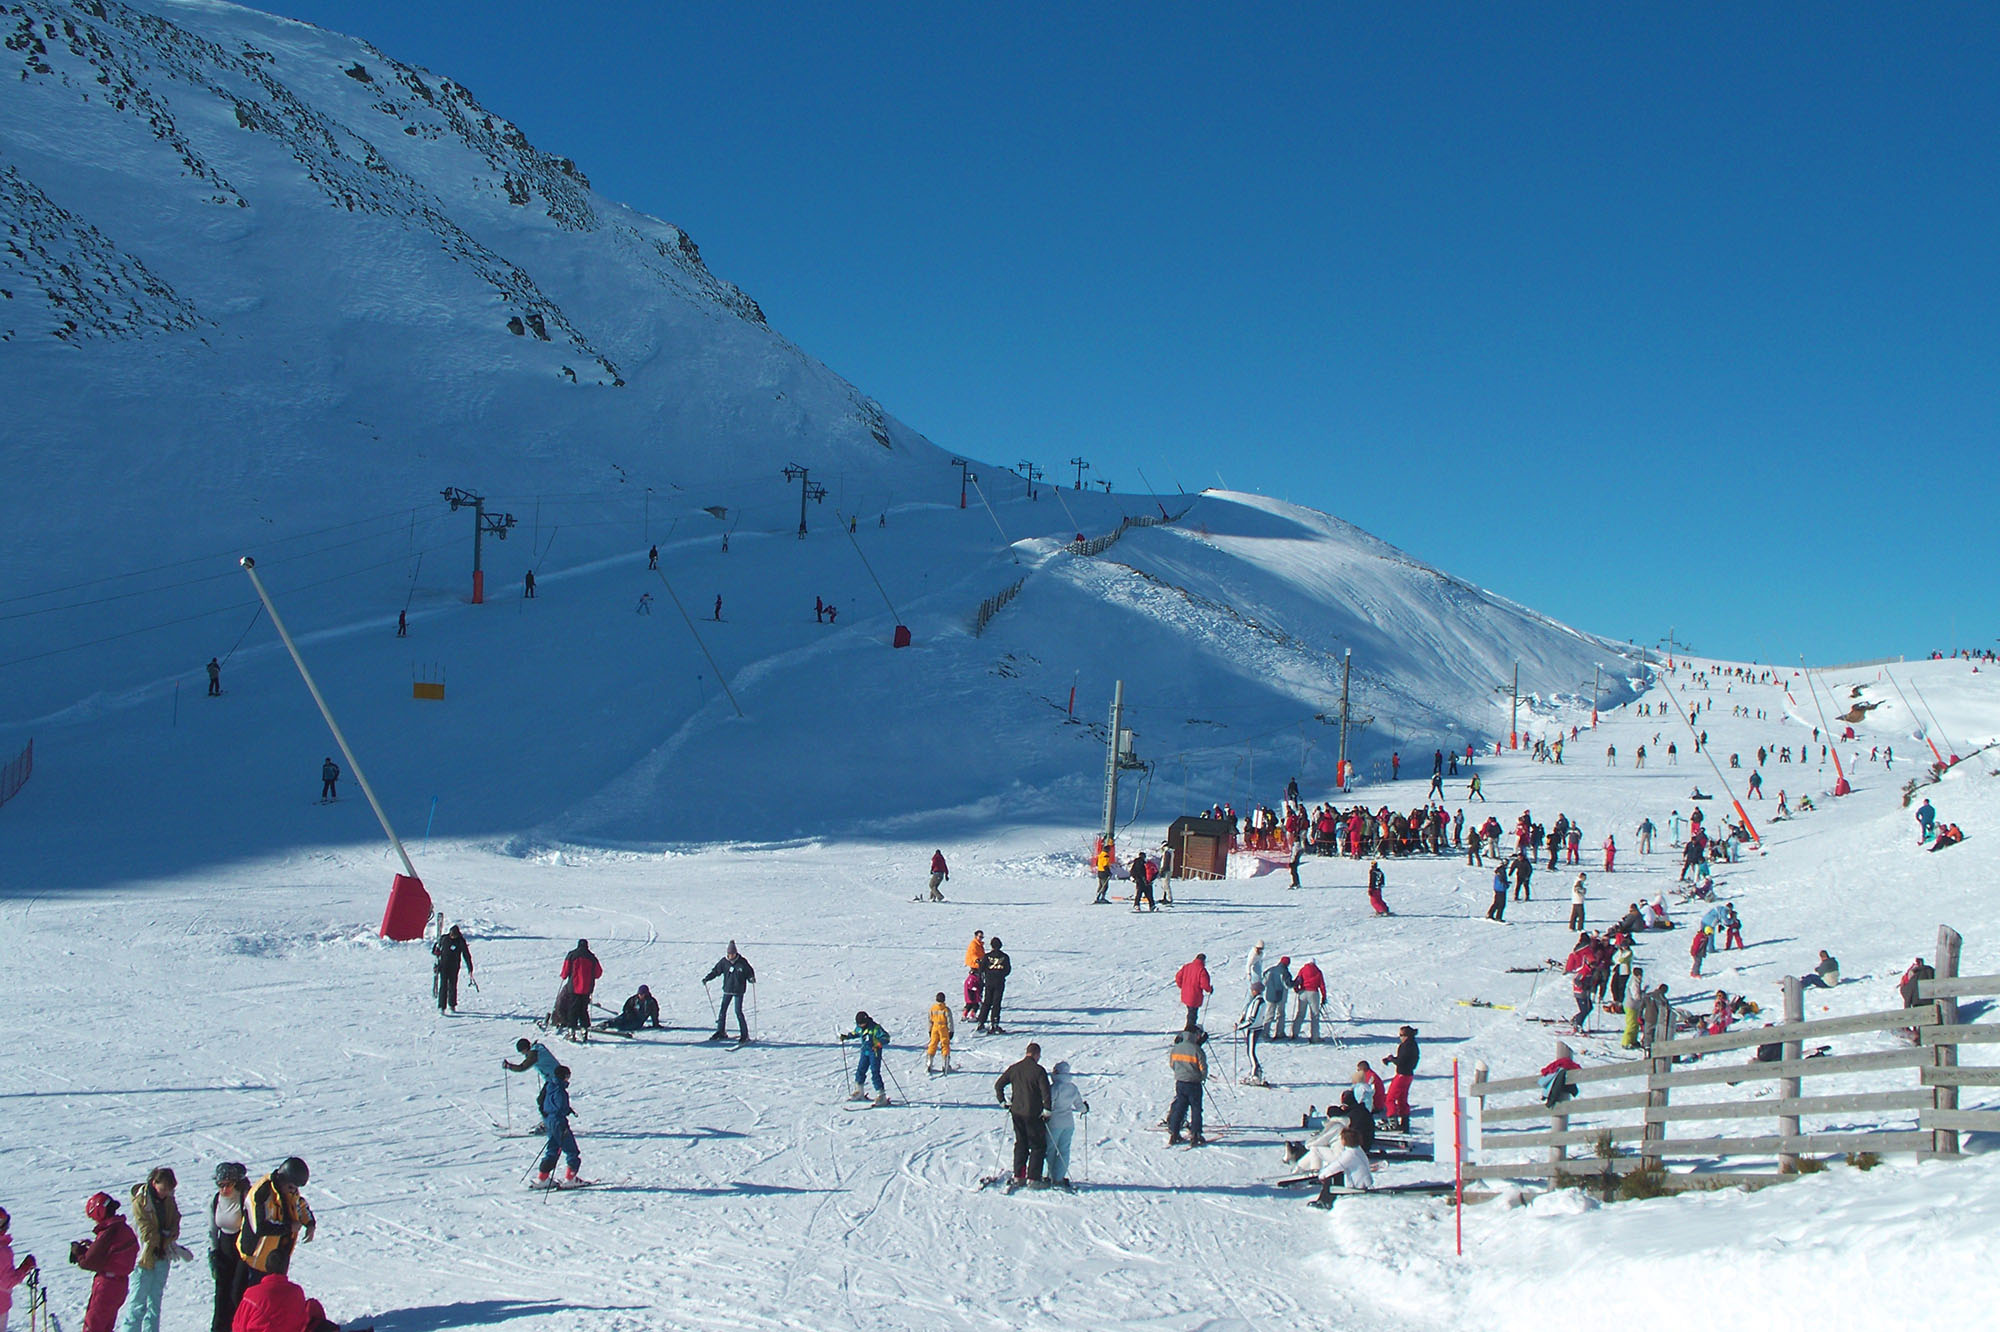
1311 986
109 1255
1195 987
580 972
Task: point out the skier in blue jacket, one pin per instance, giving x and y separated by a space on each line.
873 1038
555 1108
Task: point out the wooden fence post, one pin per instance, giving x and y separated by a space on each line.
1788 1088
1945 1054
1559 1121
1658 1067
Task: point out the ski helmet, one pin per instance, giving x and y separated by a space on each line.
99 1206
293 1172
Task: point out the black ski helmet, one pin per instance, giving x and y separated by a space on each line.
293 1172
861 1019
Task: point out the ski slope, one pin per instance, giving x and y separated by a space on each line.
246 1011
272 291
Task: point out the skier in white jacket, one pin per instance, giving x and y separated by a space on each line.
1065 1104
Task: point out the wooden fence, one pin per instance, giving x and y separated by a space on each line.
1647 1127
991 606
1097 545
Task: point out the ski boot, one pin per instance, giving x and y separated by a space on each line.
569 1175
881 1098
858 1094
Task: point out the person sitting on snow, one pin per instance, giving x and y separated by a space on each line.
641 1010
1347 1168
1949 835
1823 976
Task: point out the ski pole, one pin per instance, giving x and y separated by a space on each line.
898 1083
507 1099
755 1026
1083 1175
716 1012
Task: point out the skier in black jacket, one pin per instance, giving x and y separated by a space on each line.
993 971
736 973
641 1010
450 951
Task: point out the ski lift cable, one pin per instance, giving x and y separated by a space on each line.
400 515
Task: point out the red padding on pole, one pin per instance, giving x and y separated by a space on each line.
902 638
1747 826
479 587
408 912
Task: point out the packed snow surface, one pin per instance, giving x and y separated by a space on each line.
247 1011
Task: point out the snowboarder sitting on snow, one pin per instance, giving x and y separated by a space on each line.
941 1033
1949 835
873 1038
641 1010
1824 975
555 1108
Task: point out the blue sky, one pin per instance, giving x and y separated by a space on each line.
1645 316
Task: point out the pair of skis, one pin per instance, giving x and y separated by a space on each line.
1010 1185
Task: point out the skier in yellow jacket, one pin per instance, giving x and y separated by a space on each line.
941 1030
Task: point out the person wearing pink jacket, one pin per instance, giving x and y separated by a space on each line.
11 1273
1192 979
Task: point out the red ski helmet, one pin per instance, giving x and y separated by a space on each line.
99 1206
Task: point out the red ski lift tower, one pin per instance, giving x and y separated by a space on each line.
482 523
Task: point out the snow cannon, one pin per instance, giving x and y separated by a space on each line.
408 911
409 908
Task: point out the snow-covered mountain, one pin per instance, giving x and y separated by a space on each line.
269 290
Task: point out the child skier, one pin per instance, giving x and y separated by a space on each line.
941 1030
555 1108
873 1038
